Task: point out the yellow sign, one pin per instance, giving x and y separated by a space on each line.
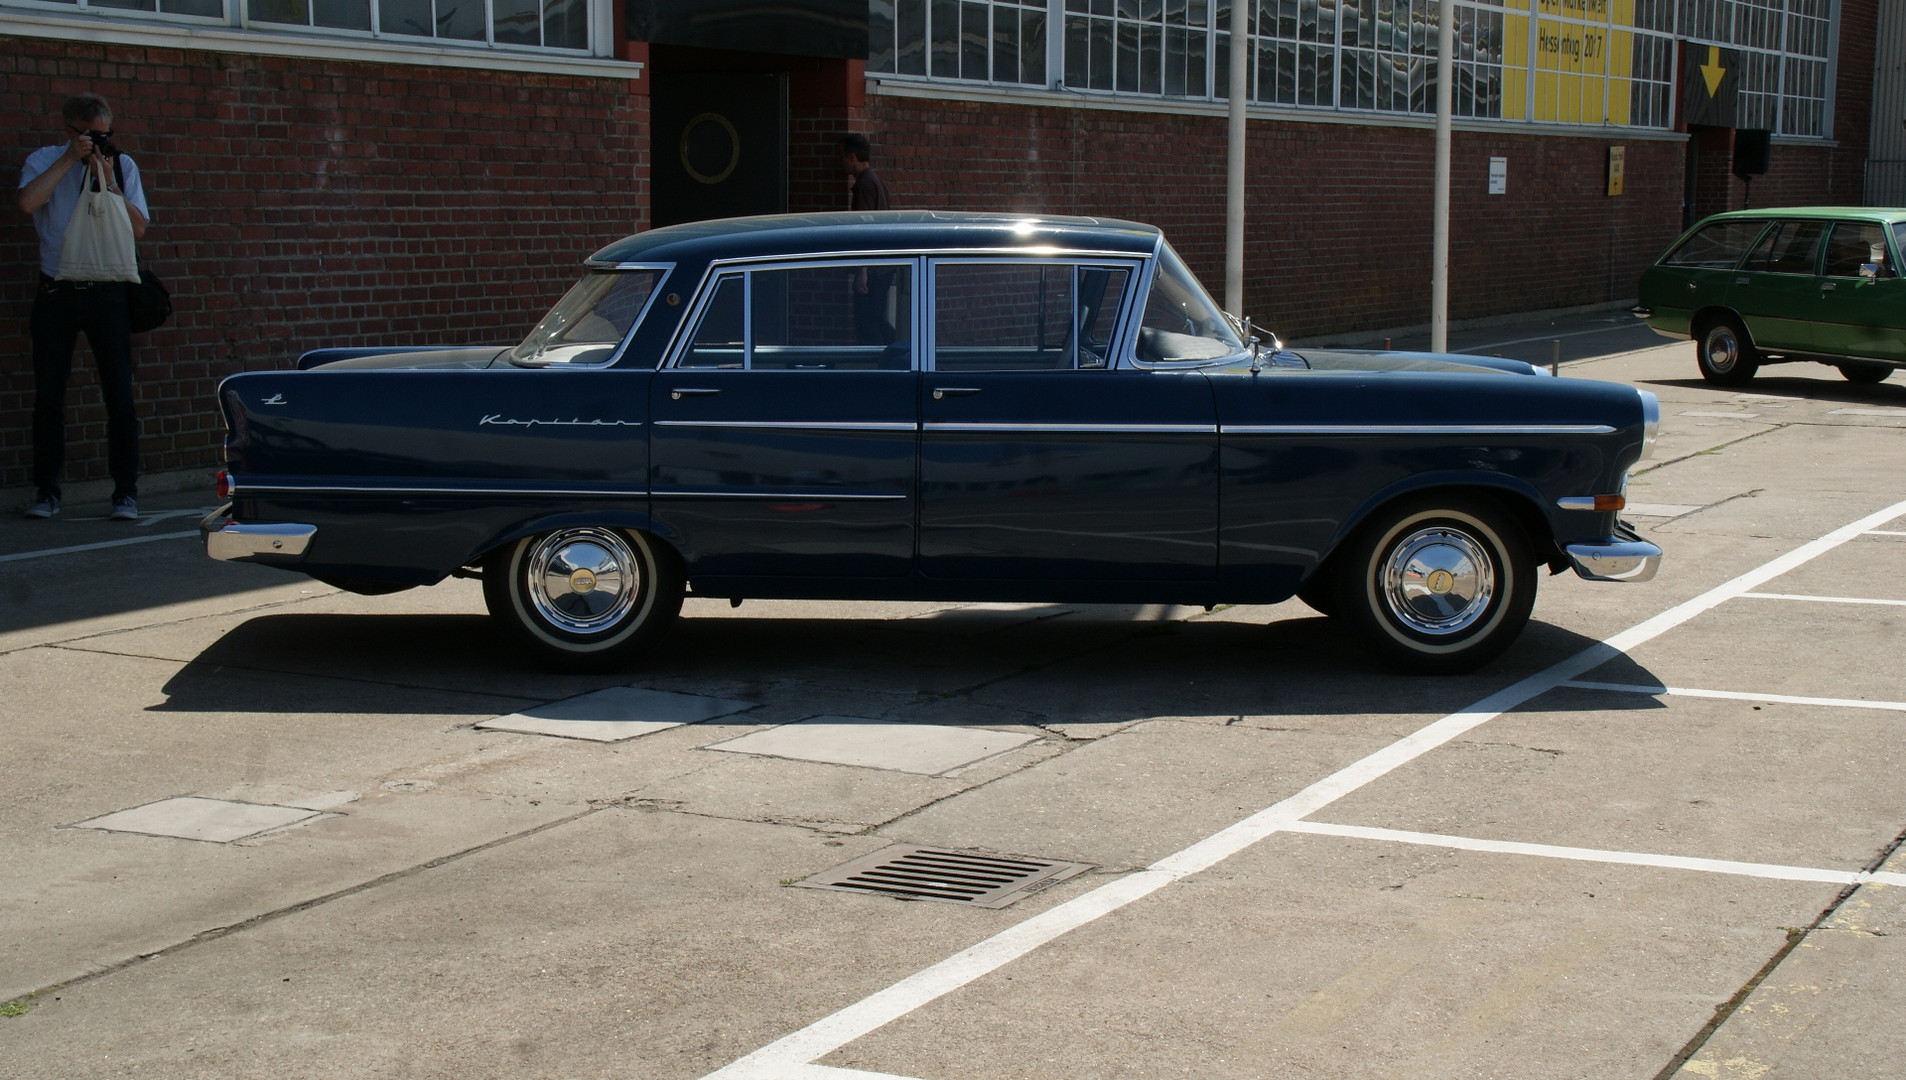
1617 158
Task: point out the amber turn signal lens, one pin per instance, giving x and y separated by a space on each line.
223 485
1607 504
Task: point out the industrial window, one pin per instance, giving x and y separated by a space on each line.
533 24
1599 62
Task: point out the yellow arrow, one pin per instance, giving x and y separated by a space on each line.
1712 71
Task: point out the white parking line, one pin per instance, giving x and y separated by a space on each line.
1736 695
787 1055
44 552
1819 599
1624 858
1884 532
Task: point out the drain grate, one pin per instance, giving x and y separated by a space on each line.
973 878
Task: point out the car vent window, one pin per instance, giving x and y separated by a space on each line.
1857 250
1715 247
1790 248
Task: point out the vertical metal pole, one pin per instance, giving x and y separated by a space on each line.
1439 235
1234 163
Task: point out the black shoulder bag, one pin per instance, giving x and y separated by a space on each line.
148 305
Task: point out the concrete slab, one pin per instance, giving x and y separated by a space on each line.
1783 784
927 749
191 818
615 714
1353 959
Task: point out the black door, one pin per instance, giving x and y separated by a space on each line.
720 144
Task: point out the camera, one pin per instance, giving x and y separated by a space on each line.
103 144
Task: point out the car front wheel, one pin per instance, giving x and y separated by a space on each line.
584 598
1727 357
1865 374
1438 585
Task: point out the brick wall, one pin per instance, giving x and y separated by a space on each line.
299 203
1338 217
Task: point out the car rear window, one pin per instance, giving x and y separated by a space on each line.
1717 247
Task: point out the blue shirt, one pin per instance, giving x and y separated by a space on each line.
51 218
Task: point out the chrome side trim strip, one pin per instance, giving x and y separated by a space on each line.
816 496
252 490
793 425
1415 429
1576 502
1081 429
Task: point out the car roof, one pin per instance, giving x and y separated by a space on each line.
1880 214
905 231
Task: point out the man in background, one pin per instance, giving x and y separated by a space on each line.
50 187
869 191
872 288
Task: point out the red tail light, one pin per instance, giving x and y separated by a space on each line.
223 485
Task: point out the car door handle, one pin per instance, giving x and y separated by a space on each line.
953 391
681 392
1738 281
1828 287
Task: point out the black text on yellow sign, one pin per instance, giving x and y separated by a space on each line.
1617 160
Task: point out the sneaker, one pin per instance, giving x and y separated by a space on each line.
124 509
45 508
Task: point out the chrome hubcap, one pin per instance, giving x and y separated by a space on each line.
583 580
1438 581
1722 350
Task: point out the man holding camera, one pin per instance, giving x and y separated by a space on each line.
50 187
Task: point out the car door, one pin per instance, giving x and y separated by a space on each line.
1042 457
1696 273
1777 289
784 426
1862 300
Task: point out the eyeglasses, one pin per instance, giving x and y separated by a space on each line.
108 133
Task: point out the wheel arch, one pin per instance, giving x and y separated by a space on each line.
612 518
1519 500
1703 318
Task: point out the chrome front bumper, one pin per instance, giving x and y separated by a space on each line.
228 541
1626 557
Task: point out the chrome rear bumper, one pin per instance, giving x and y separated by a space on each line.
228 541
1626 557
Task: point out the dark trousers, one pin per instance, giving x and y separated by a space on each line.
63 310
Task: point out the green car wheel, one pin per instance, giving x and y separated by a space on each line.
1726 356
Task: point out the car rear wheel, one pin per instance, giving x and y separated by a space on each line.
1437 584
585 598
1865 374
1726 355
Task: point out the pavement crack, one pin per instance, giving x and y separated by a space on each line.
1715 449
217 932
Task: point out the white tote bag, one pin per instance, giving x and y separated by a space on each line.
98 243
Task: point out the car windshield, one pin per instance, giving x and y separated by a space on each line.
590 321
1181 322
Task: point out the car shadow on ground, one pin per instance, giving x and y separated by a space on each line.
1057 663
1891 392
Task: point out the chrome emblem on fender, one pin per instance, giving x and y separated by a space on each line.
275 399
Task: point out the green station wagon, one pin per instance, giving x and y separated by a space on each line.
1819 284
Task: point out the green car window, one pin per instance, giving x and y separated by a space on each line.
1853 245
1788 248
1718 246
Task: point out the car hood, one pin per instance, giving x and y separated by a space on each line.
1380 360
448 356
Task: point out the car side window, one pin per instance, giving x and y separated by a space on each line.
1856 249
827 317
1715 247
1788 248
1024 316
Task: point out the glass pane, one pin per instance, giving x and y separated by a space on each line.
133 5
209 8
1853 248
1127 57
1006 44
880 35
566 24
1002 317
460 19
1789 249
945 26
341 14
590 320
404 17
517 22
1100 291
1078 53
974 56
1032 47
276 11
1151 61
830 318
1180 320
1101 54
718 340
910 40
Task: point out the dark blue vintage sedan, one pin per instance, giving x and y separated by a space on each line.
929 406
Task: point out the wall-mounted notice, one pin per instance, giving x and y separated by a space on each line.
1498 176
